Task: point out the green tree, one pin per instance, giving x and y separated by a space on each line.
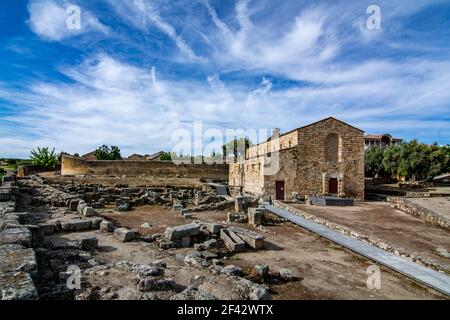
438 160
236 147
44 158
167 156
374 161
106 153
415 160
391 159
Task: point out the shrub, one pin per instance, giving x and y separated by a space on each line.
44 158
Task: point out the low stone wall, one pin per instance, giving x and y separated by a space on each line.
18 264
168 169
399 251
423 213
25 170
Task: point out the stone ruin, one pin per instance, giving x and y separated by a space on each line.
34 258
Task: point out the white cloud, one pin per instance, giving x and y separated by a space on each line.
114 102
48 19
139 12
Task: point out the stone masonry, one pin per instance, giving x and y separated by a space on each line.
305 161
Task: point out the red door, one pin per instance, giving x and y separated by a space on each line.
333 185
279 190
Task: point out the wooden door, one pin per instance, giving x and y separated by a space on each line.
333 185
279 190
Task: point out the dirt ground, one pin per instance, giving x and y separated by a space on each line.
379 220
325 271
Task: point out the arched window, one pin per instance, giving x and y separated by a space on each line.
333 148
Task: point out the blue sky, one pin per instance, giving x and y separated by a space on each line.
138 70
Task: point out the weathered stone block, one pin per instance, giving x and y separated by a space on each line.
88 241
286 274
89 212
5 195
213 228
124 234
232 270
195 258
21 236
81 205
61 243
17 286
95 223
15 258
253 239
255 216
185 242
47 228
106 226
76 225
231 240
178 232
73 204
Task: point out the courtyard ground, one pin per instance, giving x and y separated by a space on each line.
326 270
380 220
439 205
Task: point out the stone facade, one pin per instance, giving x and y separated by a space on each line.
306 161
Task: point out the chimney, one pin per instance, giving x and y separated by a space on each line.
275 132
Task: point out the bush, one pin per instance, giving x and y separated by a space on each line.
44 158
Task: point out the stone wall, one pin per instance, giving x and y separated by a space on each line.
397 250
285 141
308 165
18 264
25 170
168 169
420 212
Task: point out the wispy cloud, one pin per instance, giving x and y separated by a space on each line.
48 19
243 64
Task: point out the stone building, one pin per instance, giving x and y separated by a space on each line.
154 157
322 158
381 140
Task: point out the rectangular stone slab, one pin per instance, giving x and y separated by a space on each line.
20 236
186 230
15 258
212 227
231 240
253 239
17 286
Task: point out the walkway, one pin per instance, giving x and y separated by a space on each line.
431 278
